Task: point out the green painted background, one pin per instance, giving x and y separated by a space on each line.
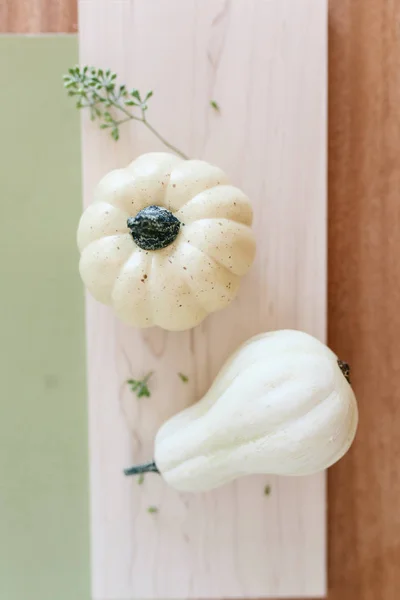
44 541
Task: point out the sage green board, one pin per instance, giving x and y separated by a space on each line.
44 539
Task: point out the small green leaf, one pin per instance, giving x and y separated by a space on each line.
140 479
143 391
152 510
139 386
130 103
215 105
115 134
104 126
183 377
148 95
267 490
135 93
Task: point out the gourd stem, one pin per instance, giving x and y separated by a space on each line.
139 469
345 368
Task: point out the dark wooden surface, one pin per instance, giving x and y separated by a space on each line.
364 292
364 276
38 16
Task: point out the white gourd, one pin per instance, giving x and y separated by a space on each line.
166 241
281 405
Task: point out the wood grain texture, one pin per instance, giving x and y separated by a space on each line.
38 16
364 292
271 138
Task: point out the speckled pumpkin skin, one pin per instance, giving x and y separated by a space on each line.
176 286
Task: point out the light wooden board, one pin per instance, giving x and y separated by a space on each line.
264 62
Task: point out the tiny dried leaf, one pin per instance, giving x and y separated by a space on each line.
139 386
183 377
267 490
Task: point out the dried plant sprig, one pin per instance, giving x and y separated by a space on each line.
111 104
139 386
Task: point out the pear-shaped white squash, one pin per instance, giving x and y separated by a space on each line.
165 241
280 405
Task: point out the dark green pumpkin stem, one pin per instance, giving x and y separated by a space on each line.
139 469
345 368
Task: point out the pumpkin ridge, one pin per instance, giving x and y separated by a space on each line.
186 274
241 228
103 236
96 230
101 259
137 256
211 258
135 250
209 203
109 205
149 295
234 446
166 260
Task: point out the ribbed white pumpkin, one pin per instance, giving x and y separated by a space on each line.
196 273
280 405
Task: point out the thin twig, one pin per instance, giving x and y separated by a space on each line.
96 89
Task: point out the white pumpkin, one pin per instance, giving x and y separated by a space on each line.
166 241
282 404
